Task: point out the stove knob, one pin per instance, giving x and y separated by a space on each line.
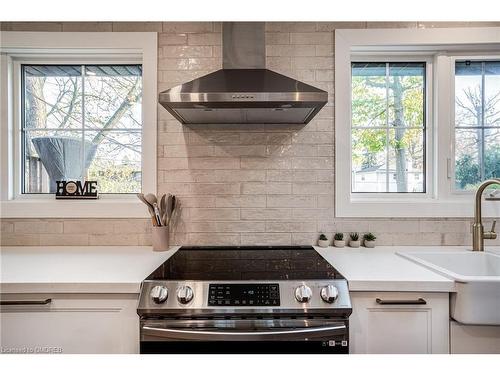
303 293
159 294
184 294
329 293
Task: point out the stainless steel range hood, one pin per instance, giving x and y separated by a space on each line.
244 91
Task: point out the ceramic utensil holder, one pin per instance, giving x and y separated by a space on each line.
160 238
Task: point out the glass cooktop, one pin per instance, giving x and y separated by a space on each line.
245 263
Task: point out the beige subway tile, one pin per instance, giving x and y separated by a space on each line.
172 138
318 62
31 26
205 39
186 175
214 163
308 188
65 239
290 26
239 175
431 24
312 38
304 238
325 201
266 239
113 239
88 226
178 188
313 214
324 75
324 50
240 150
211 239
265 163
198 201
443 226
187 27
172 39
213 214
146 240
216 188
16 239
186 51
173 64
457 239
266 213
391 25
226 226
292 150
312 163
172 163
331 26
87 26
205 63
266 188
350 226
279 63
291 226
483 24
200 137
177 151
253 201
137 26
290 50
313 137
38 226
291 201
8 226
277 38
129 226
265 138
279 175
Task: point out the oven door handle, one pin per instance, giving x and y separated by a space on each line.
224 335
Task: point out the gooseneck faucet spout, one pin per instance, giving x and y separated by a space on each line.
478 233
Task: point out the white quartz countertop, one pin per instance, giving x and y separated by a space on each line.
381 269
121 269
77 269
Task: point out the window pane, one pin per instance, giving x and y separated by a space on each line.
49 156
477 122
406 160
52 96
388 120
492 93
369 102
116 164
406 94
113 96
65 104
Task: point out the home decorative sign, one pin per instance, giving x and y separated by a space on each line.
76 190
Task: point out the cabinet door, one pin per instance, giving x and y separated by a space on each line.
399 328
80 323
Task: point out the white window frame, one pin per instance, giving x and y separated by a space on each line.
438 45
58 48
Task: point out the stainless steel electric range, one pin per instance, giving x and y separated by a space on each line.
277 299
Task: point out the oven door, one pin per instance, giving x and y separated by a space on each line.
244 336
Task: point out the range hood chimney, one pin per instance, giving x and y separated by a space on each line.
244 91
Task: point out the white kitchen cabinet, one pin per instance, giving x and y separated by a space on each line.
70 323
397 328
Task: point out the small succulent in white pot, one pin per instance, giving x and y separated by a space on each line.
323 240
369 240
338 240
354 241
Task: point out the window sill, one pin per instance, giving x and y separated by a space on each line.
52 208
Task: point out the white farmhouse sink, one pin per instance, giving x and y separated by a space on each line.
477 277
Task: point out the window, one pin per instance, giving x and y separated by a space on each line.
388 127
420 155
477 122
82 122
77 106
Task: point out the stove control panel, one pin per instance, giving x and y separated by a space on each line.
243 295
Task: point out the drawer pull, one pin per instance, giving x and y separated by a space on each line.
26 302
419 301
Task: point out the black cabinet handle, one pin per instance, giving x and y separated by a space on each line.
419 301
27 302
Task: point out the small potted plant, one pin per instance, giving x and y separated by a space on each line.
339 240
354 242
369 240
323 240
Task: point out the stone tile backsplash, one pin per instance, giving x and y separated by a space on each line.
240 184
